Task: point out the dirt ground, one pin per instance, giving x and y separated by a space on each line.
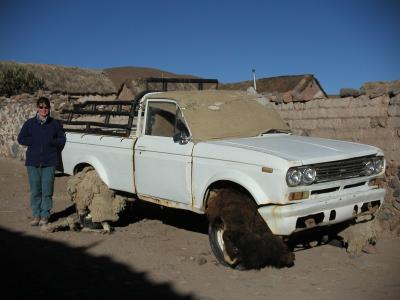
160 253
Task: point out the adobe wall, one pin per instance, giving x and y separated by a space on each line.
14 111
373 121
370 121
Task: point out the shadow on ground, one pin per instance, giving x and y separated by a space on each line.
63 214
36 268
139 210
183 219
319 236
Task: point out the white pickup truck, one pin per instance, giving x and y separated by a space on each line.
188 149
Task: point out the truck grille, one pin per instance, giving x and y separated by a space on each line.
341 169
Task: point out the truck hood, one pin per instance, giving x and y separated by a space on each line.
300 149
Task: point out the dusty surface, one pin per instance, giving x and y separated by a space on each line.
156 253
223 111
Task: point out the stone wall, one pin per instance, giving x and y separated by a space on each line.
14 111
364 119
370 121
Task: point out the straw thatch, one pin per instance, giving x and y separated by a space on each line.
120 75
385 86
279 84
301 87
68 80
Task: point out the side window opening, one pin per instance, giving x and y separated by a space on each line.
165 119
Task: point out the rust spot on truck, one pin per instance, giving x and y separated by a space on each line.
168 203
274 211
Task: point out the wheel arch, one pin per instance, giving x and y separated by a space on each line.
228 184
79 167
97 166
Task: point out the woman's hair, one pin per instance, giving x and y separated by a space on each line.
42 100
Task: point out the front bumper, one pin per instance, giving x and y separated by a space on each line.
287 219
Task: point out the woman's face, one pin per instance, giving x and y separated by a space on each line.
43 110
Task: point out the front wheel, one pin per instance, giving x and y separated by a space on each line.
239 236
215 235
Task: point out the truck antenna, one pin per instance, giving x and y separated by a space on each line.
254 80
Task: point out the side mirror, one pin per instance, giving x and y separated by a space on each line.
181 138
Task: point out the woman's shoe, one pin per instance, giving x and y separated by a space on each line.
35 221
43 221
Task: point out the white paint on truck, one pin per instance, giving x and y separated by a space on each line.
179 173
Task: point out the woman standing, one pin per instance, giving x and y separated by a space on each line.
45 138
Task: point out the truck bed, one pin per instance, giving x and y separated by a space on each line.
111 156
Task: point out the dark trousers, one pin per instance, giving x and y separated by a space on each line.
41 181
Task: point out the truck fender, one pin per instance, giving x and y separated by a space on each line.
239 178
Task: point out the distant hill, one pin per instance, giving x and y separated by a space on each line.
69 80
74 80
119 75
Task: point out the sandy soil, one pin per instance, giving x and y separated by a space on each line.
159 253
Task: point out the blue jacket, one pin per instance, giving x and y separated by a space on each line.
45 142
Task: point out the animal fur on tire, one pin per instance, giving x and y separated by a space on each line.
248 240
91 194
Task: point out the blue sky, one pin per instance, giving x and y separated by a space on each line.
343 43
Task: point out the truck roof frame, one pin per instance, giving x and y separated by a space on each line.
126 108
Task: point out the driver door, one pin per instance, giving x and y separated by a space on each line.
162 166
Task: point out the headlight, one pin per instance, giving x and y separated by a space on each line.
309 175
301 175
379 164
369 167
293 177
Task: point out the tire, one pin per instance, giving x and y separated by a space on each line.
238 235
215 237
86 222
220 220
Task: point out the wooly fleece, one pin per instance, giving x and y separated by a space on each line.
359 235
90 194
249 242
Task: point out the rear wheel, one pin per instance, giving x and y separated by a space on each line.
87 222
94 201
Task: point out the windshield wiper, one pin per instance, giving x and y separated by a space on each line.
271 131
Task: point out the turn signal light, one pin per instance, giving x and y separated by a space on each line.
379 182
299 195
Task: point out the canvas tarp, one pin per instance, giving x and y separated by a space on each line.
218 114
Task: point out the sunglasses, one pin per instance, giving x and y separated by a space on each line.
43 107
